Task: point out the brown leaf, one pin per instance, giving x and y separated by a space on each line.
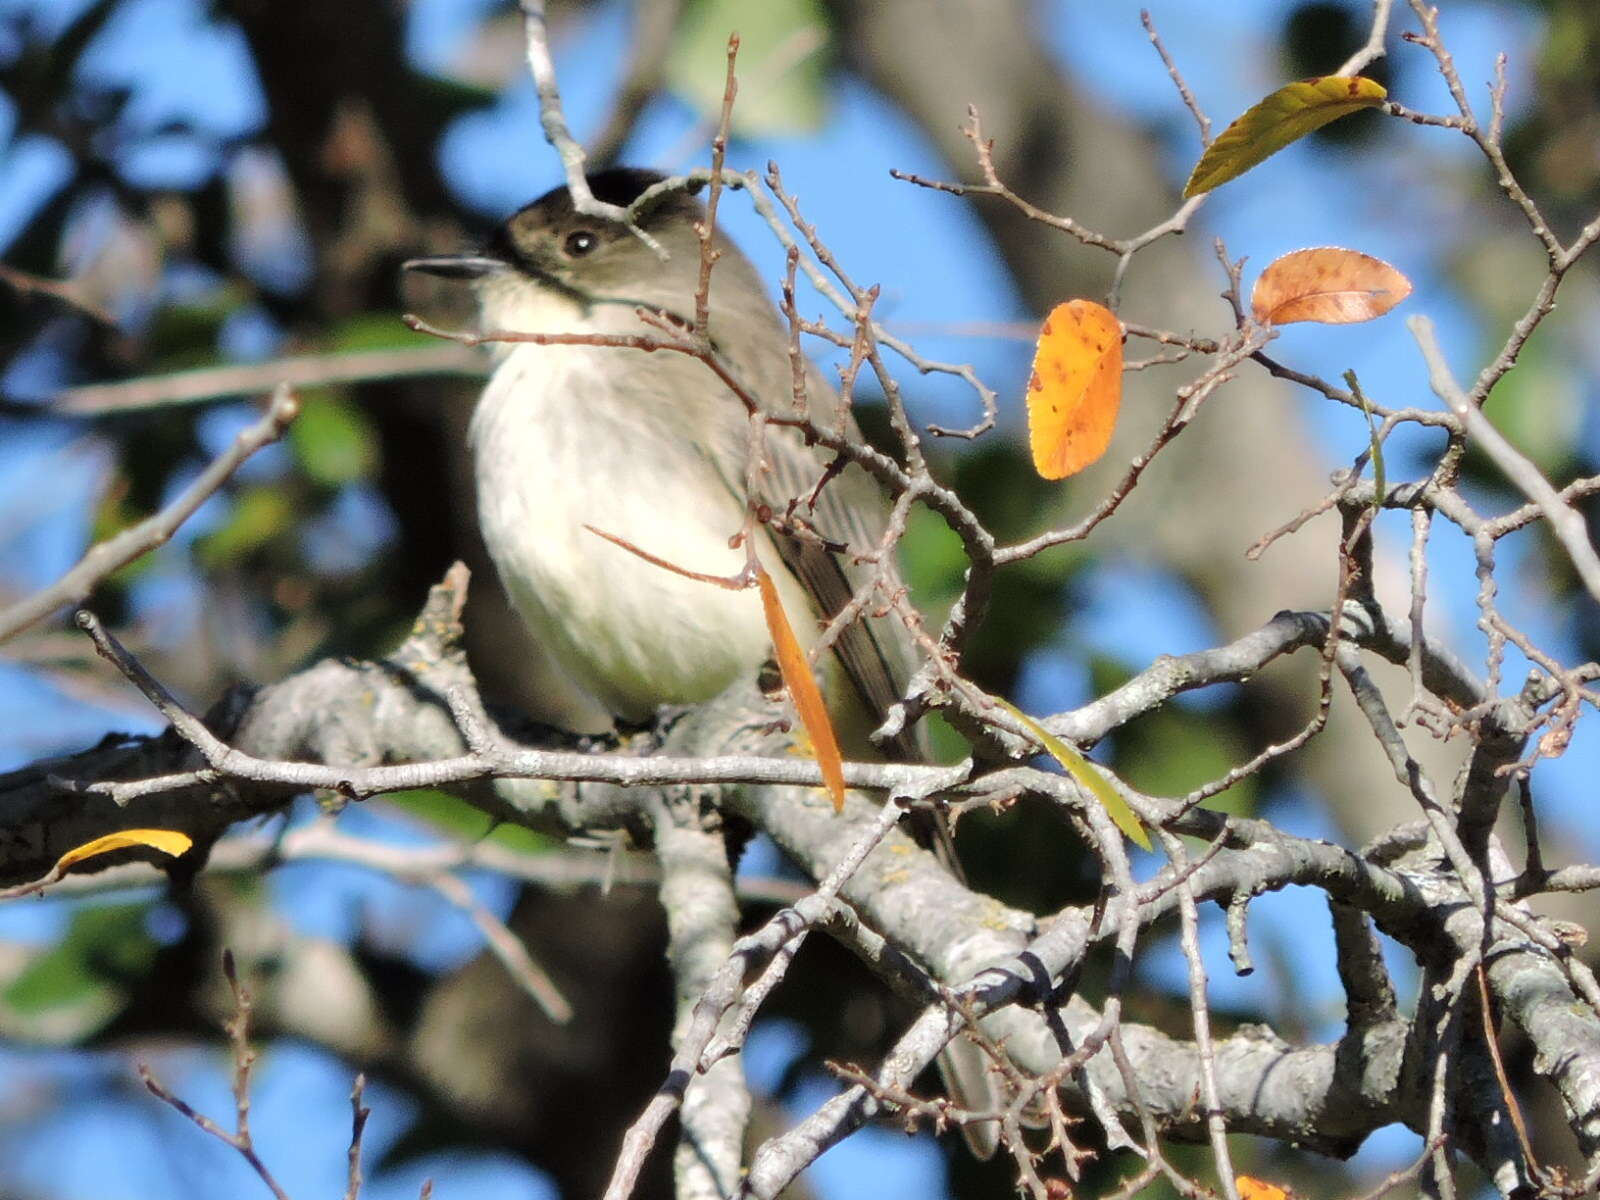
1327 284
802 684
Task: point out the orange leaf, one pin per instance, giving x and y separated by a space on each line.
168 841
1075 388
1329 285
1254 1189
802 684
1287 115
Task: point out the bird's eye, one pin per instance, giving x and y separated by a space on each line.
580 243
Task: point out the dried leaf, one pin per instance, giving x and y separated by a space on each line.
1087 776
168 841
793 664
1075 388
1285 116
1329 285
1254 1189
802 684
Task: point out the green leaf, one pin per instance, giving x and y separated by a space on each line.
1380 486
780 68
1175 751
259 515
1087 776
456 816
375 331
1285 116
1539 405
81 981
182 336
333 440
1177 747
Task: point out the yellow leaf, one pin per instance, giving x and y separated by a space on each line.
1327 284
1075 388
802 684
1086 774
1285 116
1254 1189
168 841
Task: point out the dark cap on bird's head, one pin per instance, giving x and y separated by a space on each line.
551 242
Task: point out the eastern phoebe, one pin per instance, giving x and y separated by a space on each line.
653 449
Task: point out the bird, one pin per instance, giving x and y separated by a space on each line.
652 450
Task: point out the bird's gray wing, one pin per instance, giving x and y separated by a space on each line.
877 654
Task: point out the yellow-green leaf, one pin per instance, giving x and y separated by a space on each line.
1287 115
258 516
168 841
1086 774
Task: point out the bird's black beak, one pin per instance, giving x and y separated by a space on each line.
456 266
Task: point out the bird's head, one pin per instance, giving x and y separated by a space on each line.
549 257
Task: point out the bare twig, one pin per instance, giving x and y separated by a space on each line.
706 228
65 291
1189 102
246 379
116 552
1566 522
506 946
1189 926
359 1113
694 1051
244 1059
1373 48
1491 1042
554 123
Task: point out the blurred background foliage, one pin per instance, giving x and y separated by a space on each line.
234 181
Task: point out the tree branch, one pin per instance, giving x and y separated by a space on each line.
116 552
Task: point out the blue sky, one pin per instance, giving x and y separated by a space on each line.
884 230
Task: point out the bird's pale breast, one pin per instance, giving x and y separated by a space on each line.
563 438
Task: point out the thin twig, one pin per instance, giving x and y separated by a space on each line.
1491 1042
104 558
248 379
507 948
65 291
1566 522
1187 96
358 1128
1373 48
244 1058
553 121
706 227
